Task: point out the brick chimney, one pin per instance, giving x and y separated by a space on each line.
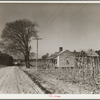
60 49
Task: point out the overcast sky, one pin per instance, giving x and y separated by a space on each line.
71 26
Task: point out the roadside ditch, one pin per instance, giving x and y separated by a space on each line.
37 82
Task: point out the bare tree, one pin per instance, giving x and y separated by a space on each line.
17 36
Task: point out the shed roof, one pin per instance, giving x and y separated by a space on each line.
92 53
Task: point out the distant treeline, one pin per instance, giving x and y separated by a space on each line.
22 60
6 59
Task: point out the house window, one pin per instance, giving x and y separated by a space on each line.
67 62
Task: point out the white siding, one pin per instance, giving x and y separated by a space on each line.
57 61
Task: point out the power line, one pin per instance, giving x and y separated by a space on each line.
67 19
54 18
75 13
46 22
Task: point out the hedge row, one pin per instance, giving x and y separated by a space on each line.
6 59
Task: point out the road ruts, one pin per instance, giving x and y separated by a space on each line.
14 81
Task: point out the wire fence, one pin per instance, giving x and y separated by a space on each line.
85 71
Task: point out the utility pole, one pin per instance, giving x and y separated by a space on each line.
37 38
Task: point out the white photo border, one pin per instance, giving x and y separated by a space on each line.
49 96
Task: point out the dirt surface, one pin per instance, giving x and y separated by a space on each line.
14 81
58 86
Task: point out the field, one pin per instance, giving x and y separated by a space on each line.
65 80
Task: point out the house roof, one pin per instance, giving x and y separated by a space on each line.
66 51
53 55
92 53
58 53
89 53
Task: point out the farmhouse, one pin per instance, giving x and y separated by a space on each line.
65 59
53 58
71 59
62 58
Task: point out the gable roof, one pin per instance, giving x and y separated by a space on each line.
66 51
89 53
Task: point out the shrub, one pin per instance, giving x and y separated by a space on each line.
6 59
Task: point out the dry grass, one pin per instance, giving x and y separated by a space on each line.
66 80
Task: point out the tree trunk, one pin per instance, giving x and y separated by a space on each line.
27 60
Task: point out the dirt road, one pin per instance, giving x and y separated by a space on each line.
14 81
